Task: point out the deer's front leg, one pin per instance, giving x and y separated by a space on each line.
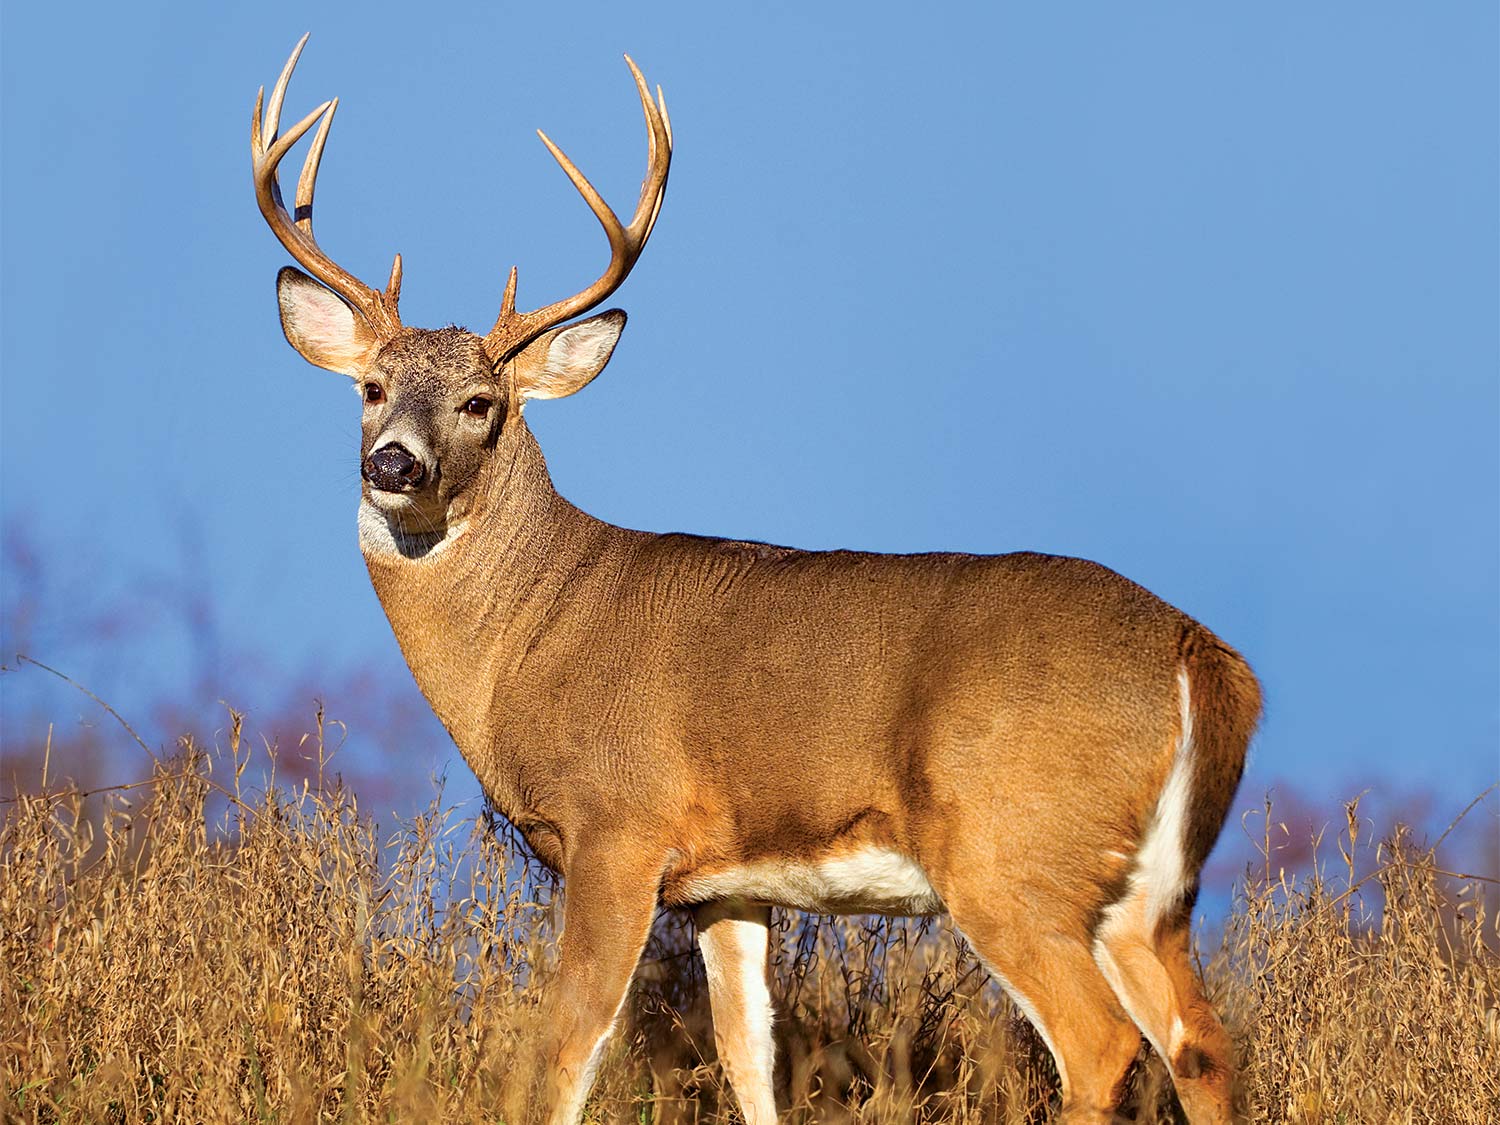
610 903
735 940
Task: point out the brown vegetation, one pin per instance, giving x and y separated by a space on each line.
183 949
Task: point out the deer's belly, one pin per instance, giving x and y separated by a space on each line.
867 881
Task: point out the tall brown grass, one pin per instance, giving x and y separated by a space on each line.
187 949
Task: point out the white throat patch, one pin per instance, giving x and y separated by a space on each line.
379 534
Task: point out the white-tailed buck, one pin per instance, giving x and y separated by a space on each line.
1035 745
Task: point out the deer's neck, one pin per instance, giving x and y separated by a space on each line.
471 609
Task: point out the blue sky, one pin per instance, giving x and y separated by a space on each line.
1208 295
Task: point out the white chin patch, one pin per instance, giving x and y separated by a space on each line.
392 503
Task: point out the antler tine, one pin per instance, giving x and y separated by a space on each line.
514 330
257 146
308 181
602 210
295 230
661 107
658 138
393 286
283 144
666 128
647 108
278 92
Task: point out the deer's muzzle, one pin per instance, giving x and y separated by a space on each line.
392 468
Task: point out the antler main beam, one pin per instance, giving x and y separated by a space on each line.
295 230
513 330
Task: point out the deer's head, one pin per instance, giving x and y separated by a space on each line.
436 402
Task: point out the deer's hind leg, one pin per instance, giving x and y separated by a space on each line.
1045 965
1150 968
735 941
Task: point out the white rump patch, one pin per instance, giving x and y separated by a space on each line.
1159 875
1157 880
1160 866
869 881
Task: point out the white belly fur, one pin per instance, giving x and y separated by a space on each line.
869 881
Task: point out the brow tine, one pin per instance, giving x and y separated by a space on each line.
508 298
393 286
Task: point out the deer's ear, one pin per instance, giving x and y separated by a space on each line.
327 332
566 359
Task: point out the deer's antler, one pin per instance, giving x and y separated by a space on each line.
513 330
295 230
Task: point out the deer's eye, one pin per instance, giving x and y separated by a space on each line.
478 406
373 394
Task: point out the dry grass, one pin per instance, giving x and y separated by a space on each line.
186 950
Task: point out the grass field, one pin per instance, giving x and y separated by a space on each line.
187 949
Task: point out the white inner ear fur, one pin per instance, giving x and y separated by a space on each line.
564 361
327 332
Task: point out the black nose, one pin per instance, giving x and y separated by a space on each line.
391 468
